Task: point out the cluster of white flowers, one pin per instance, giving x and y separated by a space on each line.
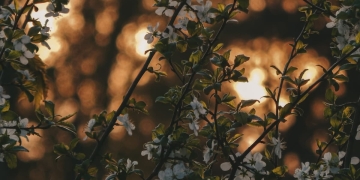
253 163
174 172
194 12
124 120
3 96
11 132
330 166
347 30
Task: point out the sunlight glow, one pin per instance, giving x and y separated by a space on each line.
254 88
141 44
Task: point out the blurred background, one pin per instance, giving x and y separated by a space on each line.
98 48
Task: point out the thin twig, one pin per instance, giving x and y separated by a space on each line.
259 139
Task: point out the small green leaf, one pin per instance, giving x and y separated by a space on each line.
280 171
341 78
218 47
330 97
11 160
195 56
290 70
66 126
181 45
50 108
9 116
246 103
240 59
13 55
285 111
277 70
347 49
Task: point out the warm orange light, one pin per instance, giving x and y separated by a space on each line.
141 44
257 5
253 89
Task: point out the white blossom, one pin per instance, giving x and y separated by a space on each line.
278 146
89 127
11 132
20 42
129 126
3 96
152 33
51 10
333 161
186 10
182 23
303 173
4 13
23 124
171 34
167 174
180 171
149 150
130 165
194 125
168 12
354 160
227 165
208 152
321 173
198 108
26 54
255 161
203 11
357 137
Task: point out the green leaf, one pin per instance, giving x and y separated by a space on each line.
246 103
347 66
285 111
277 70
357 38
66 126
226 55
34 30
8 33
13 55
341 78
241 117
235 138
291 70
208 89
195 56
335 122
50 108
347 49
11 160
73 143
61 149
18 148
181 45
330 97
159 130
280 171
67 117
240 59
9 116
300 47
18 33
243 5
218 47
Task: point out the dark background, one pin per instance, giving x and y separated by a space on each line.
93 61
